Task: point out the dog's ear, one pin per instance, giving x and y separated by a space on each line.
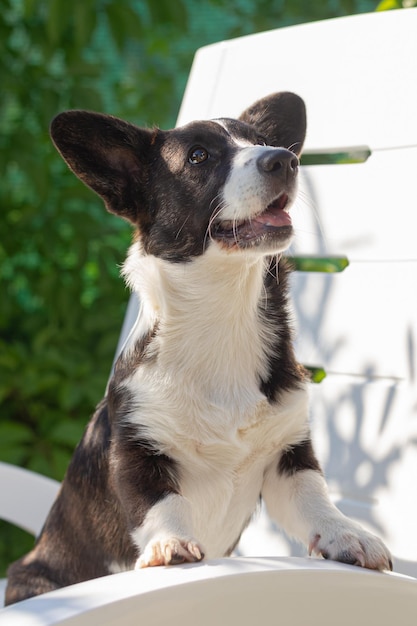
280 118
107 154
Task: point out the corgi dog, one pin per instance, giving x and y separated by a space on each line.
206 412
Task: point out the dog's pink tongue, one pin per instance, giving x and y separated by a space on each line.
274 217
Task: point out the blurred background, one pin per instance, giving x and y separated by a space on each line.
61 299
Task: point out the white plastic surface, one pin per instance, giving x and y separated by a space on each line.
357 75
359 322
25 500
25 497
228 592
361 210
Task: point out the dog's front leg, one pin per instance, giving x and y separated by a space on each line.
296 496
165 535
159 518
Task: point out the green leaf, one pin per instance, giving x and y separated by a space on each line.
168 12
41 464
85 18
14 543
29 8
14 442
60 461
57 20
15 455
67 433
88 98
124 23
13 434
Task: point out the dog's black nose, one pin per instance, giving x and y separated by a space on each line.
278 159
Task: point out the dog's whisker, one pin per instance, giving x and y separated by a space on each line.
180 229
305 203
216 197
273 268
293 145
216 212
278 257
235 231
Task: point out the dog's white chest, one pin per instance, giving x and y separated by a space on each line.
222 450
198 389
223 480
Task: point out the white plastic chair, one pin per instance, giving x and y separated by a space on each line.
358 77
25 499
228 592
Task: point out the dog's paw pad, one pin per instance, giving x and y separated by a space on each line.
172 551
354 547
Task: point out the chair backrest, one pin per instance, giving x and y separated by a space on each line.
25 497
358 76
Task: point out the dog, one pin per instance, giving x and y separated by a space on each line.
206 412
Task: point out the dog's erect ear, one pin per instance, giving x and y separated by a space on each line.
107 154
280 118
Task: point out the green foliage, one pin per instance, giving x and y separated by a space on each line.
387 5
62 301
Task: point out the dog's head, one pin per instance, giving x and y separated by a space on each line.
224 182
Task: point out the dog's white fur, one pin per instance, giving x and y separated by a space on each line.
244 194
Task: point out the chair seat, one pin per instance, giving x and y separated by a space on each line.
233 591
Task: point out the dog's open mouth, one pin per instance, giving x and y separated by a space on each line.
274 222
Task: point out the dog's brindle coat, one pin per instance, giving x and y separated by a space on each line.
207 409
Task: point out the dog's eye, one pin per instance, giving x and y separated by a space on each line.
261 141
198 155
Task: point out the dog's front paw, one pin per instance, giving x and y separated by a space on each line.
170 551
352 545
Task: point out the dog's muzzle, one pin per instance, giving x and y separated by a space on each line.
277 169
